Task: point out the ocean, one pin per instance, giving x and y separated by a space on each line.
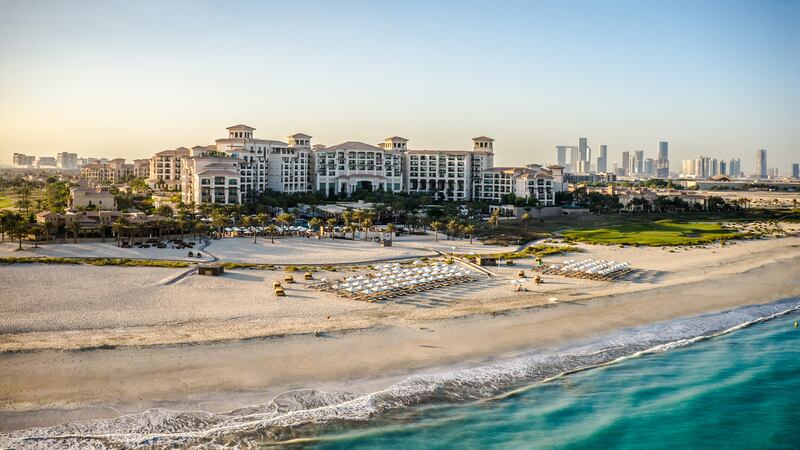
724 380
740 390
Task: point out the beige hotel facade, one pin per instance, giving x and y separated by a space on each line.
236 168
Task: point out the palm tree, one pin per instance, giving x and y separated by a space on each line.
436 226
452 227
5 223
19 231
411 222
205 210
162 225
181 222
103 229
218 220
316 223
37 231
199 228
140 229
390 230
358 216
352 228
271 230
380 210
24 192
164 210
247 222
285 219
526 217
262 219
494 219
331 224
118 228
347 217
75 227
366 223
470 230
191 207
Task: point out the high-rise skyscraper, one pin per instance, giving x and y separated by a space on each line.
662 163
626 162
723 167
761 164
639 161
734 167
602 159
583 149
796 171
561 152
649 167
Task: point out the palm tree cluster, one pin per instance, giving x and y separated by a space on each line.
17 227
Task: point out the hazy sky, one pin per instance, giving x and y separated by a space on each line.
129 78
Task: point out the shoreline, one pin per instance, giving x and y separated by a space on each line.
48 387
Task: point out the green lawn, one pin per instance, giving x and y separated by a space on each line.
653 234
5 202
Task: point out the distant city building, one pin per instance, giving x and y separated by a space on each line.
662 162
796 171
735 167
638 161
602 159
650 167
761 164
21 159
583 149
773 172
46 161
67 160
561 154
626 163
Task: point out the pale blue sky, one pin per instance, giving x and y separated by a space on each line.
129 78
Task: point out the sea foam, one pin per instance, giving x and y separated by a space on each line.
301 413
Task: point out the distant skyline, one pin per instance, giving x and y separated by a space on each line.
128 79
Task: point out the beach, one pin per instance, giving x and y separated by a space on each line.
214 344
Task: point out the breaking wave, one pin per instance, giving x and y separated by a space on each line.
303 413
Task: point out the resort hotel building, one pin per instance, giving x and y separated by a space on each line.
239 167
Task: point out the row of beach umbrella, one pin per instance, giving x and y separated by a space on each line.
390 277
591 267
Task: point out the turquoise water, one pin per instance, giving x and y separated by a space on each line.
738 391
724 380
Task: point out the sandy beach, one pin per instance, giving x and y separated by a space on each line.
285 250
241 345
